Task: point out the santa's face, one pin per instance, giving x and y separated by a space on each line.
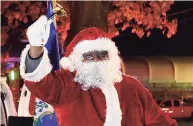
97 69
96 63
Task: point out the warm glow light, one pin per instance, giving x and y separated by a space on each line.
12 75
165 109
170 111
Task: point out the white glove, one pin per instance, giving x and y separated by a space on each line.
38 32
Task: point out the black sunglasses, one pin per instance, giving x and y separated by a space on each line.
102 55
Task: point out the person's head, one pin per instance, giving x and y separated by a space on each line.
94 57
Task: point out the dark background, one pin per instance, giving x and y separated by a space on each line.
181 44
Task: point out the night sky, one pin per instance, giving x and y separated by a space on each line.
181 44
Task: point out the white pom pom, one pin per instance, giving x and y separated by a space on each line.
65 63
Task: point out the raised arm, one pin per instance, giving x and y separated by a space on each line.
35 68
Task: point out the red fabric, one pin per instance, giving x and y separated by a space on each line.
91 33
87 108
32 104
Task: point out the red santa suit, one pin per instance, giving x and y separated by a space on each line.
125 103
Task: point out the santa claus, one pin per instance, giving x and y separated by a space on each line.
90 90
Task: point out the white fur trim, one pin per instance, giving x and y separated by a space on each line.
9 103
65 63
40 72
113 112
23 108
97 44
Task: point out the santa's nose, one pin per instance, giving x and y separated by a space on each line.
96 58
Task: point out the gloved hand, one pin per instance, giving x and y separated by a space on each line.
38 32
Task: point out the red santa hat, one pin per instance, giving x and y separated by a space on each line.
87 40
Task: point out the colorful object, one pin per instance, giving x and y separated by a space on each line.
52 44
44 114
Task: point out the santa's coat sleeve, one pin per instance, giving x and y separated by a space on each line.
56 88
141 104
52 87
154 116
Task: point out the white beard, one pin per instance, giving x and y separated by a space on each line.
98 74
94 74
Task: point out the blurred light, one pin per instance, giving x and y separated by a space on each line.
170 111
9 65
12 75
13 59
165 109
